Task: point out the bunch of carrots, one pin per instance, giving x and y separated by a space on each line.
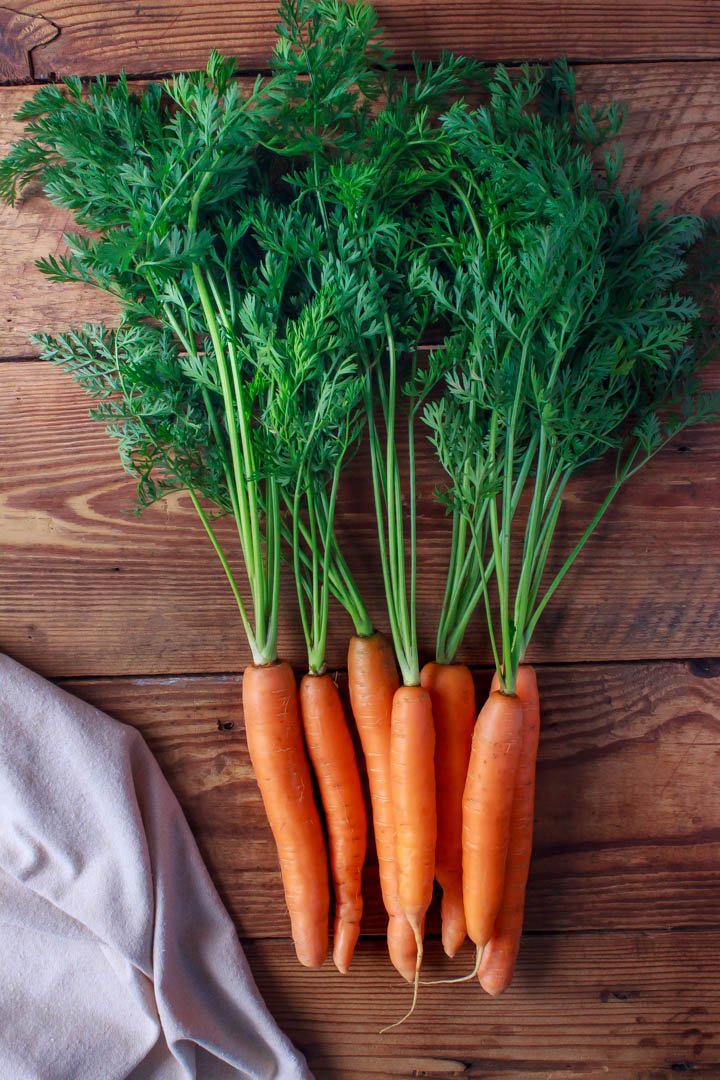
281 258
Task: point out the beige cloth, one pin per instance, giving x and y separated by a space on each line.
118 958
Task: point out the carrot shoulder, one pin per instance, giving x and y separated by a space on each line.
373 680
333 757
452 693
498 961
487 807
277 751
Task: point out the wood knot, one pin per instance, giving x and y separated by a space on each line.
19 35
704 669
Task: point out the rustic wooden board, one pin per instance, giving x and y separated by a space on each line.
89 588
672 149
621 1005
628 808
628 814
168 35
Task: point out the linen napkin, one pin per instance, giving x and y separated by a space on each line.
118 958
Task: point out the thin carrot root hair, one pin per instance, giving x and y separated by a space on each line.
463 978
416 981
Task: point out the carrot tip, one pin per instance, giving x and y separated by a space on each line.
402 948
345 940
452 939
309 958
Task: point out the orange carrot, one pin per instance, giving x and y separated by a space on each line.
452 693
487 807
333 757
412 774
373 681
498 960
277 752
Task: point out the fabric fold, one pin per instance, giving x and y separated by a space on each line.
119 959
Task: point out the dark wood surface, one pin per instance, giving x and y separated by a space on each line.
643 1005
618 975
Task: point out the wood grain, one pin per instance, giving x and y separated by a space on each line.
672 149
168 35
628 808
89 588
620 1005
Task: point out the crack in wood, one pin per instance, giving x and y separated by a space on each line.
20 34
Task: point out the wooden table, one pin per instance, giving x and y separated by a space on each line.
619 973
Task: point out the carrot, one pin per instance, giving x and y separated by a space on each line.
373 680
487 808
452 693
275 743
333 758
498 961
412 776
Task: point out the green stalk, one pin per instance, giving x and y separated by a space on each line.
247 536
413 550
529 546
303 587
532 623
401 608
272 548
257 656
450 596
188 344
317 660
355 605
258 569
315 613
341 581
500 579
380 499
394 498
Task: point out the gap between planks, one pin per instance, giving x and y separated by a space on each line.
402 69
693 663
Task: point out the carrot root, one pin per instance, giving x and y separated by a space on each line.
332 754
487 808
452 692
373 680
412 772
479 951
498 965
277 752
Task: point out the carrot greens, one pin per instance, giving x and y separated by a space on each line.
569 336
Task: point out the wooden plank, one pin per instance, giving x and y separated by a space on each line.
641 1005
88 588
628 808
168 35
672 144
